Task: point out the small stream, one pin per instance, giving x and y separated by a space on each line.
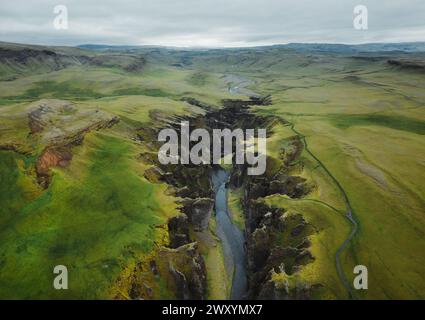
239 85
231 236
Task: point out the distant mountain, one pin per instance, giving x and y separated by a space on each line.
369 47
317 47
106 47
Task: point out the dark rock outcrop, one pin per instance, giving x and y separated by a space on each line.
187 268
178 231
199 212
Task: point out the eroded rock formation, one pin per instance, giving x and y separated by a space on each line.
52 122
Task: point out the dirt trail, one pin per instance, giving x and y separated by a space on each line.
349 215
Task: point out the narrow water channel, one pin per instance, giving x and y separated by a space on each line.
231 236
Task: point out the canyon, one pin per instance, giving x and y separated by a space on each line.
253 257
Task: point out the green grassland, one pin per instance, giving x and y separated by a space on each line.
362 118
91 227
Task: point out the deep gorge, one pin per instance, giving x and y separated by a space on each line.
180 262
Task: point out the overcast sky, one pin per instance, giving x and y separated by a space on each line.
213 23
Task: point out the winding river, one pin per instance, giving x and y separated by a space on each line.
232 238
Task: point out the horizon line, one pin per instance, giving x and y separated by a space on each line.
215 47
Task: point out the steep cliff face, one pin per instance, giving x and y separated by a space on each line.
176 271
51 157
178 262
278 246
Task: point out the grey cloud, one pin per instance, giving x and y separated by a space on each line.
211 23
